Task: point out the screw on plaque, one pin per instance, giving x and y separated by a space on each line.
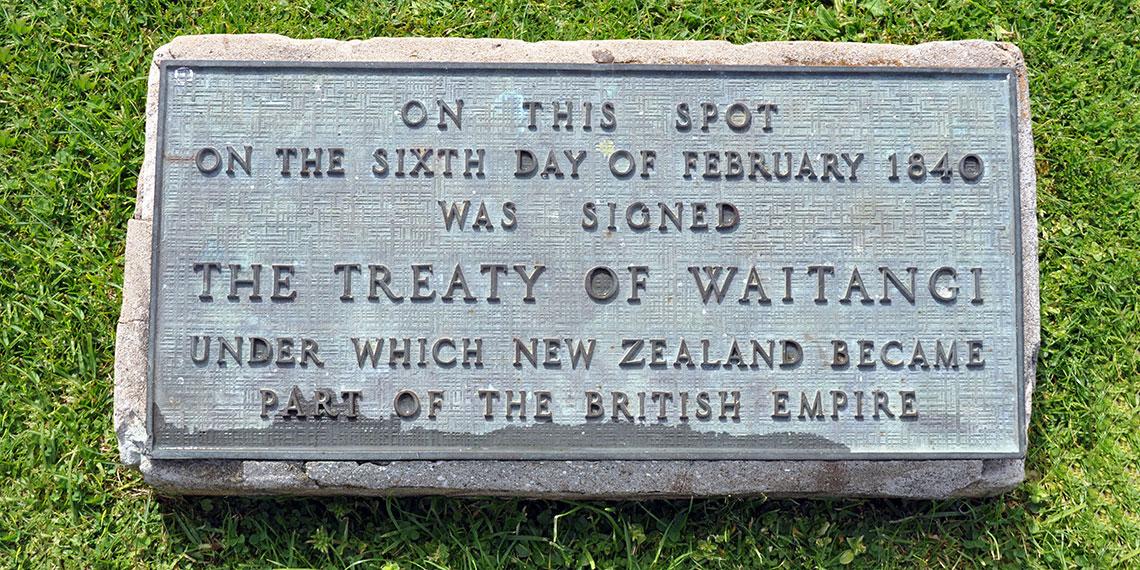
601 283
183 75
971 167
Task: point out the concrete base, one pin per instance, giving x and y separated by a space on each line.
590 479
551 479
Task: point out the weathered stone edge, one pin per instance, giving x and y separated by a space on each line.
589 479
583 479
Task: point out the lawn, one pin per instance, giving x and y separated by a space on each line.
72 94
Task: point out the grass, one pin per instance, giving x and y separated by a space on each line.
72 92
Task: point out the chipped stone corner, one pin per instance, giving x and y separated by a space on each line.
559 479
131 343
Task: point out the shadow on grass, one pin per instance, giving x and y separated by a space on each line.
483 532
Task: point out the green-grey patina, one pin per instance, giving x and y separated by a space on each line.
364 216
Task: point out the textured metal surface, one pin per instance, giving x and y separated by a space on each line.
314 223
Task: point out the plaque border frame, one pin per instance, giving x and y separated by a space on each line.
643 454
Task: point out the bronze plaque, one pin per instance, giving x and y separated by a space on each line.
383 261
